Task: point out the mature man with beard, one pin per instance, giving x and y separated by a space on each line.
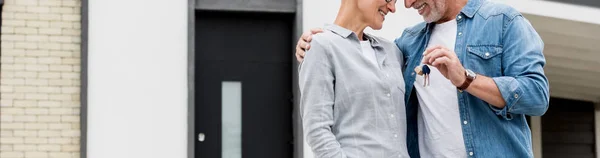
486 73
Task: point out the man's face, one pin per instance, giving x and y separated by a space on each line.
431 10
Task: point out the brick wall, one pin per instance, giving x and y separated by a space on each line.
39 83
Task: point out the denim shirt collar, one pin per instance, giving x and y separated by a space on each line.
468 10
471 8
345 33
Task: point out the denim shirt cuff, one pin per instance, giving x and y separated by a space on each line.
511 92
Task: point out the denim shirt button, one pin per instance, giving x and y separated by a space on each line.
516 95
470 153
465 122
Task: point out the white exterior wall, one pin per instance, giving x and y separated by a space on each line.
137 89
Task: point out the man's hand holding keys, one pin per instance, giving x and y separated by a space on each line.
446 62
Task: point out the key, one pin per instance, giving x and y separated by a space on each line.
426 72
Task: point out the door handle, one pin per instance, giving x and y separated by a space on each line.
201 137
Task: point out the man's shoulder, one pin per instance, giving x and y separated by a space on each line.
492 8
416 29
411 37
410 34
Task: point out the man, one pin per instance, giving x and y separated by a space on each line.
486 73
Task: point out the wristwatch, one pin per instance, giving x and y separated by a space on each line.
470 77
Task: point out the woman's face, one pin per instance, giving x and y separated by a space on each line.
373 11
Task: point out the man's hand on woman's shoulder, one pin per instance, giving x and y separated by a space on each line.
303 43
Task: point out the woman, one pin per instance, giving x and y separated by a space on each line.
352 99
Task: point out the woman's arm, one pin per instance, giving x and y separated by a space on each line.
316 79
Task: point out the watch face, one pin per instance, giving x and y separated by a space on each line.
471 74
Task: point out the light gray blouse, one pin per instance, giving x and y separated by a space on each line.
349 106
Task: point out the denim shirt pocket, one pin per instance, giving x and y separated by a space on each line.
485 59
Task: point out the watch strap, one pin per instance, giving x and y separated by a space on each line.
467 82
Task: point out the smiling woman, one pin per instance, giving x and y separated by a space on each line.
342 66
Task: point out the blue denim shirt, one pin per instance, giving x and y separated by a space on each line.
496 41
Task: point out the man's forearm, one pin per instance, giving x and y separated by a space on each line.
485 89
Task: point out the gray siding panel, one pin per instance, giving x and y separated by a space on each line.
286 6
83 97
191 140
298 134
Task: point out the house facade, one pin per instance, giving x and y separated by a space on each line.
218 78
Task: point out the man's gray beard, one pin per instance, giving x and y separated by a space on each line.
435 15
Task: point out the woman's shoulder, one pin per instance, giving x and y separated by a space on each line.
327 42
325 38
321 46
